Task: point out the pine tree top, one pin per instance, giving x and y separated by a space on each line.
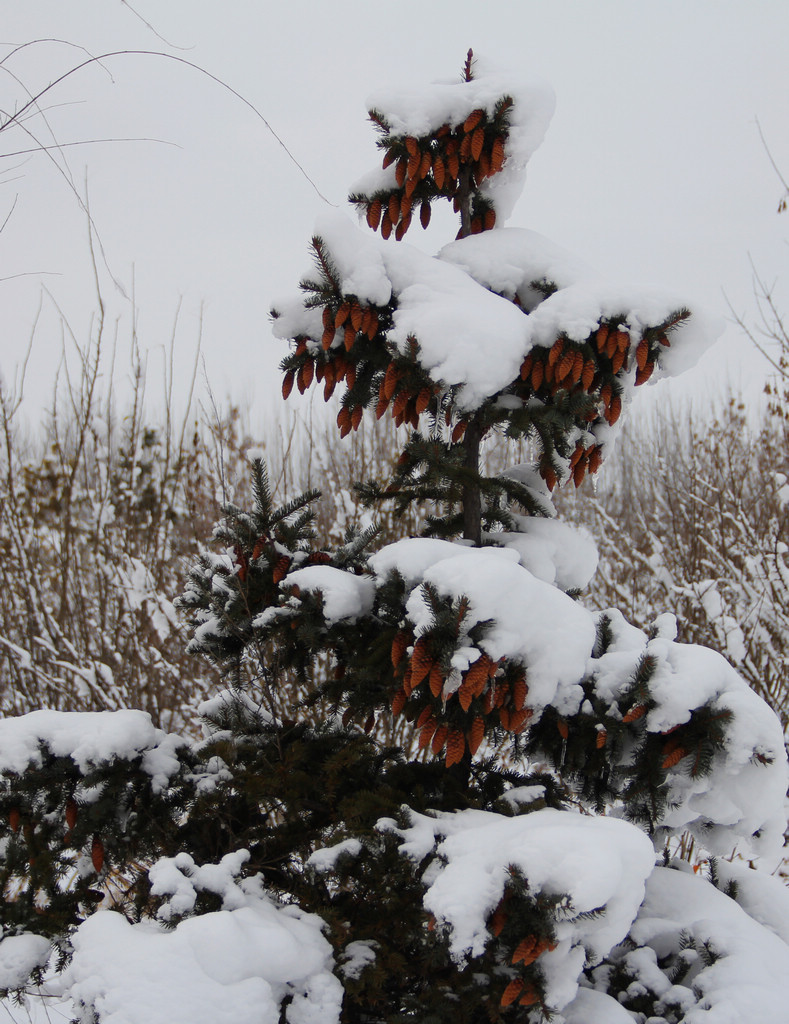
501 330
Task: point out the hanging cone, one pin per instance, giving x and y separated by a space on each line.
642 353
520 691
374 214
465 692
643 375
402 227
398 702
340 364
329 381
421 661
436 681
304 376
459 431
519 719
344 420
601 337
280 569
287 383
400 643
476 734
577 453
386 225
390 379
400 402
512 991
497 155
394 208
587 375
427 733
537 375
97 854
439 172
456 747
424 716
407 677
439 738
473 120
477 675
389 158
673 758
555 351
498 920
477 142
595 458
529 997
423 400
564 365
401 171
615 410
636 712
425 211
524 951
71 812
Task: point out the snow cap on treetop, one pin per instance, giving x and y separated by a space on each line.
423 110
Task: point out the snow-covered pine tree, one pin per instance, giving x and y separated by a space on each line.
500 865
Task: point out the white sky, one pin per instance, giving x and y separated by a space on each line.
652 169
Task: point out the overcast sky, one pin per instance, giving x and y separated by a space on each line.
652 170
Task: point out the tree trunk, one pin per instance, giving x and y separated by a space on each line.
471 497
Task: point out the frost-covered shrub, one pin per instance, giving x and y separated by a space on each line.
694 516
